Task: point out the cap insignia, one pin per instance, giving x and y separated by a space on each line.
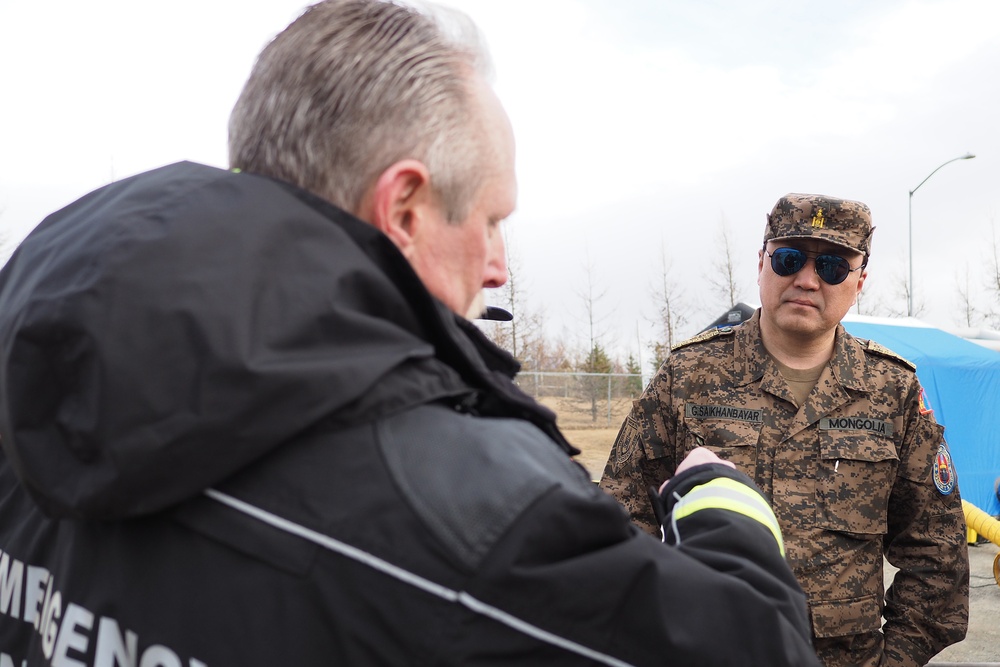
818 219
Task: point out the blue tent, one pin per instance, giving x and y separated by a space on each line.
962 381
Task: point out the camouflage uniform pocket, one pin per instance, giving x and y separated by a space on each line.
854 477
845 618
732 440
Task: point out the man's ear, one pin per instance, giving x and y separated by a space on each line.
861 283
399 202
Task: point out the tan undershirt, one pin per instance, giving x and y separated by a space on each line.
800 380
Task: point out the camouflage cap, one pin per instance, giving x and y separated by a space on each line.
840 221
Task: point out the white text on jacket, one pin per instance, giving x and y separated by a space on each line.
70 633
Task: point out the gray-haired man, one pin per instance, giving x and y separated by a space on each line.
246 422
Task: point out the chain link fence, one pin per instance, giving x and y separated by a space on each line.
584 400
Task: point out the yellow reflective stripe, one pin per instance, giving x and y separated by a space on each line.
728 494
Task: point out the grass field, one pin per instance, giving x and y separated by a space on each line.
593 437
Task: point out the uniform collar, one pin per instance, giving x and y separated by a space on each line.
750 348
848 363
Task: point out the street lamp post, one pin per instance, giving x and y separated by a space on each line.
909 300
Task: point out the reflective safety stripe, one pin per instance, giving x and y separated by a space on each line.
415 580
728 494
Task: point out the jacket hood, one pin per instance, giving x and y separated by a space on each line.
164 331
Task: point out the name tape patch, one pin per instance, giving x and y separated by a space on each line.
735 413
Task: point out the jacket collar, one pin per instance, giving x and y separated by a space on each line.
848 363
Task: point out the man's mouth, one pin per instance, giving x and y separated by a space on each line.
805 303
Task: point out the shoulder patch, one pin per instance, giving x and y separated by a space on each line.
715 332
882 351
924 404
944 471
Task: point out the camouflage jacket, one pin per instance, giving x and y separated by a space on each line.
860 471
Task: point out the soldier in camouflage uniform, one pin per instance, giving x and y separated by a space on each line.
833 429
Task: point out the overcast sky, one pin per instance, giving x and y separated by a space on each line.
642 126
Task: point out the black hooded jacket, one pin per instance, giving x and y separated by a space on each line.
237 430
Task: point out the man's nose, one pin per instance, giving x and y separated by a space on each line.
807 276
496 266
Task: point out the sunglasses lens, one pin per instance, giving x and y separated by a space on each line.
786 261
832 269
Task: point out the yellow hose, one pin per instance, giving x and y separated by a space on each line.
987 526
981 522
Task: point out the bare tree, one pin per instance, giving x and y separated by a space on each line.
865 302
523 336
870 302
968 314
554 356
590 295
888 294
670 315
899 296
723 277
993 280
596 359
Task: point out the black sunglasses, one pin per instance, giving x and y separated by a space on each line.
832 269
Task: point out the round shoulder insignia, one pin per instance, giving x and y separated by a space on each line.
944 471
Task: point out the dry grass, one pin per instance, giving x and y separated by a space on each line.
593 438
595 445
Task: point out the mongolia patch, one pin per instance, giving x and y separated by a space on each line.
944 470
867 424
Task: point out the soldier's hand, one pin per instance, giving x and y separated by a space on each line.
696 457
